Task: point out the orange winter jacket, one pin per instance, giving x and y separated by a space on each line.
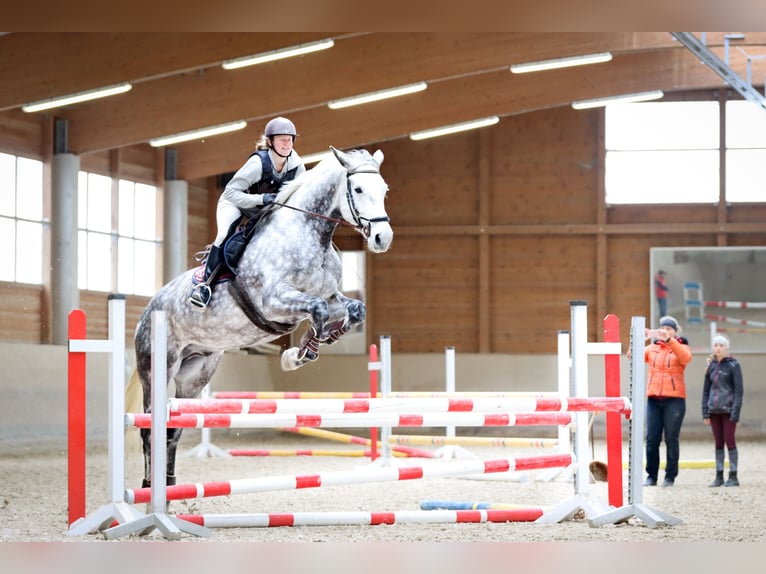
667 362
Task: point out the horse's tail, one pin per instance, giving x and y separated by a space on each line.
134 403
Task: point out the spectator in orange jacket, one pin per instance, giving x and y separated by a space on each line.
667 356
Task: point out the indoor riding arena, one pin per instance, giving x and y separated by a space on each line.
433 335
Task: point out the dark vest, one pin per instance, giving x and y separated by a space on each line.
269 182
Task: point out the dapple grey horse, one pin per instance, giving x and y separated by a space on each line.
289 272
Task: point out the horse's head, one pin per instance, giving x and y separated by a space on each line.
365 197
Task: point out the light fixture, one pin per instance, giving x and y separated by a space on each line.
375 96
76 98
621 99
280 54
316 157
561 63
454 128
198 134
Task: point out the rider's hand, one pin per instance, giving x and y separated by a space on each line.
268 198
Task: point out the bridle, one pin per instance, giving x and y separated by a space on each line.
359 221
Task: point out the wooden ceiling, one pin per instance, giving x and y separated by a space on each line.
179 85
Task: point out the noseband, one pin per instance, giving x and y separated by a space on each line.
359 221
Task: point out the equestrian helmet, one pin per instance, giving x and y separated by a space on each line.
280 126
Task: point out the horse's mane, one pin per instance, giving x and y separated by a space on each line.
331 162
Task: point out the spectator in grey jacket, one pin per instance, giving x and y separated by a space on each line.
722 394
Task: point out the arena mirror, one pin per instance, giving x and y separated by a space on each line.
713 290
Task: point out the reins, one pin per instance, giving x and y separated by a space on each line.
358 225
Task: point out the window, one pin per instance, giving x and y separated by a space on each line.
662 152
745 152
116 256
668 152
21 219
137 243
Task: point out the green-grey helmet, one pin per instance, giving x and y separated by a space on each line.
280 127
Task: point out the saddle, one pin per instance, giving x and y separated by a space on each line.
234 246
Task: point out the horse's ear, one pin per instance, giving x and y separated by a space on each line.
342 157
378 156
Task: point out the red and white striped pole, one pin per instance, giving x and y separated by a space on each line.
359 420
357 476
362 518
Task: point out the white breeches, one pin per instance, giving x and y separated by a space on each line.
225 214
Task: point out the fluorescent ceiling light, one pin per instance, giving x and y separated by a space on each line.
76 98
375 96
197 134
622 99
278 54
316 157
443 131
561 63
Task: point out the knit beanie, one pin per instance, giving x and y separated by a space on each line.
721 340
668 321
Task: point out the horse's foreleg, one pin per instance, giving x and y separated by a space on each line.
352 311
174 435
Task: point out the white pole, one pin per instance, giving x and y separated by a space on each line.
449 357
579 318
116 399
564 371
159 411
385 388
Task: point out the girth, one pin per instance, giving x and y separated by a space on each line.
245 302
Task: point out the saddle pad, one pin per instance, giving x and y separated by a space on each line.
199 276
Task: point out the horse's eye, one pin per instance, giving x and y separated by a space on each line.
358 190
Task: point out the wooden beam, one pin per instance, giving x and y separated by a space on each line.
37 66
451 101
183 102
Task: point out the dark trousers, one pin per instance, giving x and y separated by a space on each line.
663 417
724 431
663 306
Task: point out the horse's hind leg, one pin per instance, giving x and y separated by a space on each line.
193 375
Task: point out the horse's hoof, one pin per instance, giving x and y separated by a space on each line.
290 360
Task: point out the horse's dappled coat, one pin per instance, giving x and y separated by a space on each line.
289 272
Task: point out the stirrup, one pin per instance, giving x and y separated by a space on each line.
200 295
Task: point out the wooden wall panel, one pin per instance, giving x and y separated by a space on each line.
22 134
432 182
21 308
20 312
543 169
137 163
201 230
96 307
662 214
532 283
97 162
426 294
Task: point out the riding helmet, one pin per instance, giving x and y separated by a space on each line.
280 126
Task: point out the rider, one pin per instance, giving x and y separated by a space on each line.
252 187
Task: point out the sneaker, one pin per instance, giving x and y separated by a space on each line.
650 481
200 296
668 481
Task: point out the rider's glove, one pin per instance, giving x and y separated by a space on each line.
268 198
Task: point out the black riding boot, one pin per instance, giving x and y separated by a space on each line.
202 292
733 462
718 481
